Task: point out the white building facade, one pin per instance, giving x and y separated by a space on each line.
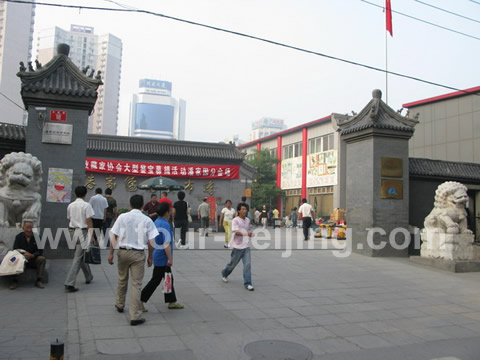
154 113
16 38
97 52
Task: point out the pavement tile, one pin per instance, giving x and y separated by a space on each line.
296 322
165 343
112 332
368 341
400 338
330 319
344 330
118 346
336 345
376 327
314 333
150 330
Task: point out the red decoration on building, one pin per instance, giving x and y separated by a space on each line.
168 170
58 115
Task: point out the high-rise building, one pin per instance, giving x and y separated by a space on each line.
16 38
99 52
154 113
266 126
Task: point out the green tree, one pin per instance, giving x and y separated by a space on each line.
264 187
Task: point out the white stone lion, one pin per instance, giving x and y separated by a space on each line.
449 215
20 178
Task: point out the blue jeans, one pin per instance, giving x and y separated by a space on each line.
237 255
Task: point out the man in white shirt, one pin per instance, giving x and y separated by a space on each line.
79 213
99 204
132 233
305 212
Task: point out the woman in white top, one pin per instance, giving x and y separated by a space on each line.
228 213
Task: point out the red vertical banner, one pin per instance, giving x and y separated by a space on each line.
213 208
304 162
279 171
388 15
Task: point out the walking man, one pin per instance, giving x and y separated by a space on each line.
241 247
203 213
132 233
99 206
151 207
112 211
305 212
80 214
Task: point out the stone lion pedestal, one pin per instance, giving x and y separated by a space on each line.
447 243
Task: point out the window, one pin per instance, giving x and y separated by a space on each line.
321 143
292 150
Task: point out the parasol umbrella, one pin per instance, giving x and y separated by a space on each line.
160 183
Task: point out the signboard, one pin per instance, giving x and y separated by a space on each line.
291 173
159 87
322 169
168 170
248 192
58 115
391 189
59 185
391 167
57 133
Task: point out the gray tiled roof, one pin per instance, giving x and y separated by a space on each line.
12 132
60 76
378 115
188 149
444 169
133 145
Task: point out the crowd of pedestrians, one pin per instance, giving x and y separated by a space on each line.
146 233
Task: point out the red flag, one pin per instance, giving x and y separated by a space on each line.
388 8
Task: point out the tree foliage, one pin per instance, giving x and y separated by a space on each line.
264 187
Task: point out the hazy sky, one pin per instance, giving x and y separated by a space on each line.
229 81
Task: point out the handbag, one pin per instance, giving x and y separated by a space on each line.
167 283
13 263
92 255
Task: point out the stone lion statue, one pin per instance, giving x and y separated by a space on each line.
20 178
449 215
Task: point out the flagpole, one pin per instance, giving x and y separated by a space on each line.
386 67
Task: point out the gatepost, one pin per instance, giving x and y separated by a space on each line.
59 98
375 149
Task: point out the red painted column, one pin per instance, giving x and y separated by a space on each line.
304 162
279 172
259 146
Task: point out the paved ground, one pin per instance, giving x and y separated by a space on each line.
339 308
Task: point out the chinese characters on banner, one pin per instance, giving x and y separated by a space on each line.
168 170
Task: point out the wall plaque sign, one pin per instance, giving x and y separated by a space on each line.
391 167
56 133
391 189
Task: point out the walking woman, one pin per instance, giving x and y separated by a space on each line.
226 219
162 257
180 215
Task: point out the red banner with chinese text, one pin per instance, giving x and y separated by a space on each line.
168 170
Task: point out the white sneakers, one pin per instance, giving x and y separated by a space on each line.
249 287
224 279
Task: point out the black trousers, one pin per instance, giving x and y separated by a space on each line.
306 223
183 225
97 224
157 276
